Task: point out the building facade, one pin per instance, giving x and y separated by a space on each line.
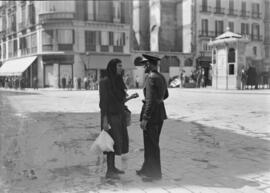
267 36
159 27
245 17
71 39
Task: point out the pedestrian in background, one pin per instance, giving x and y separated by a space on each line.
151 119
79 83
35 82
243 79
63 82
69 83
112 92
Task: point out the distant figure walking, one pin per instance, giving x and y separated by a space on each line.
63 82
35 82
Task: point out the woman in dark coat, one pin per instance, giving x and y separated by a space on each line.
112 91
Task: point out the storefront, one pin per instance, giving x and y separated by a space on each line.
57 67
24 69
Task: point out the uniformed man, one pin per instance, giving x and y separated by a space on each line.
152 116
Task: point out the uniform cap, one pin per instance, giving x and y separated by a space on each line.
148 58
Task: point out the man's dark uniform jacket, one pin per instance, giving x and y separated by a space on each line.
155 91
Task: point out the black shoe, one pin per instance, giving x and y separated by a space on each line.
150 179
117 171
140 172
112 175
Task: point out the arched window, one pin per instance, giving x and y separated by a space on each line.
231 55
188 62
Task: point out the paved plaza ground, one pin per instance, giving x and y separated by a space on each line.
213 142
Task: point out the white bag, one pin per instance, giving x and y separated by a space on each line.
103 143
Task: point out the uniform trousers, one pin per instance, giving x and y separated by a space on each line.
152 165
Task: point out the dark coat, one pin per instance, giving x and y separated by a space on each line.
155 91
111 106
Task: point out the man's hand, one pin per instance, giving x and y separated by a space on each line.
143 124
105 124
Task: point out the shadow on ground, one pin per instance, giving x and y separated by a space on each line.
50 152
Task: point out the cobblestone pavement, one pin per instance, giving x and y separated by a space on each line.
213 141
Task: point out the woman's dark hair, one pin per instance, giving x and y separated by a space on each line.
116 81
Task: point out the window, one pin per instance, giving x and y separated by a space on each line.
267 51
65 39
254 50
244 8
231 7
90 40
34 43
65 36
32 13
47 40
255 33
244 28
231 55
231 26
255 10
219 27
104 38
15 47
10 48
204 6
4 50
204 27
188 62
231 69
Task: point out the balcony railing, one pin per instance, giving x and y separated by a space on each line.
65 47
117 48
90 47
244 13
206 34
256 15
56 16
104 48
256 37
48 47
232 12
205 9
219 10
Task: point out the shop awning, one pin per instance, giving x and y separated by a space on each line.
100 61
17 66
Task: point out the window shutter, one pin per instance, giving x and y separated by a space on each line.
124 38
110 38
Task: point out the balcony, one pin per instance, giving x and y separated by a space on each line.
56 16
232 12
256 37
205 9
219 10
244 13
256 15
206 34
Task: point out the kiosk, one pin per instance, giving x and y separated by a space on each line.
228 59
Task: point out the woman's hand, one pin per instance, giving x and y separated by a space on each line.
134 95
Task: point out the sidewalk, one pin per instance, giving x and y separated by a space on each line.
49 134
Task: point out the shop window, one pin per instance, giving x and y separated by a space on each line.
231 55
231 69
